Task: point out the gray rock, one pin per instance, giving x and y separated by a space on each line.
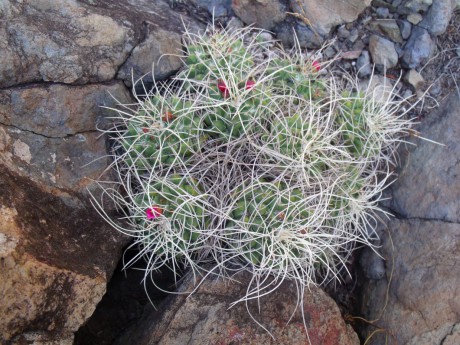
342 32
438 16
389 28
219 8
428 185
326 14
330 52
382 12
363 64
234 24
414 79
422 305
418 49
307 38
372 264
414 6
264 14
353 36
383 52
414 18
74 43
205 317
38 43
406 28
155 58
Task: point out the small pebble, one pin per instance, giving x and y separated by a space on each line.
405 28
414 18
396 3
353 36
407 94
414 79
363 64
329 52
342 32
382 12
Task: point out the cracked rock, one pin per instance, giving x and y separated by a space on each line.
383 52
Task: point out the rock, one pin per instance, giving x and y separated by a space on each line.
363 64
414 6
389 28
383 52
305 36
418 49
264 14
342 32
372 264
427 187
205 318
37 43
414 18
218 8
414 79
234 24
405 28
353 36
52 242
438 17
326 14
421 306
48 133
382 12
158 56
378 87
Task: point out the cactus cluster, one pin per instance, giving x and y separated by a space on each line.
256 159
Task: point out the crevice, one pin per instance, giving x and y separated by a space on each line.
47 136
400 216
451 332
51 83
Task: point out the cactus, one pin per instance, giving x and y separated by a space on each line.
255 160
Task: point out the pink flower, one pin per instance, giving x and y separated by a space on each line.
250 84
316 65
153 212
223 88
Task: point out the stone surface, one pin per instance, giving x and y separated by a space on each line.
264 14
418 49
423 306
218 8
205 318
383 52
389 28
76 42
414 6
48 132
326 14
406 28
158 56
61 42
427 186
363 64
414 18
438 16
306 37
414 79
55 258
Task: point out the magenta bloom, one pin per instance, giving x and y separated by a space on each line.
316 65
153 212
250 84
223 88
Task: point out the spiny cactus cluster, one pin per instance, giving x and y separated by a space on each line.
254 159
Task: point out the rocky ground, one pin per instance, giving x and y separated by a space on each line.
54 76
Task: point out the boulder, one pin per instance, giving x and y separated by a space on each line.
427 185
77 42
417 302
418 48
264 14
53 244
423 306
324 15
383 52
204 317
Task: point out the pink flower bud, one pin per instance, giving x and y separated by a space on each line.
223 88
250 84
316 65
153 212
